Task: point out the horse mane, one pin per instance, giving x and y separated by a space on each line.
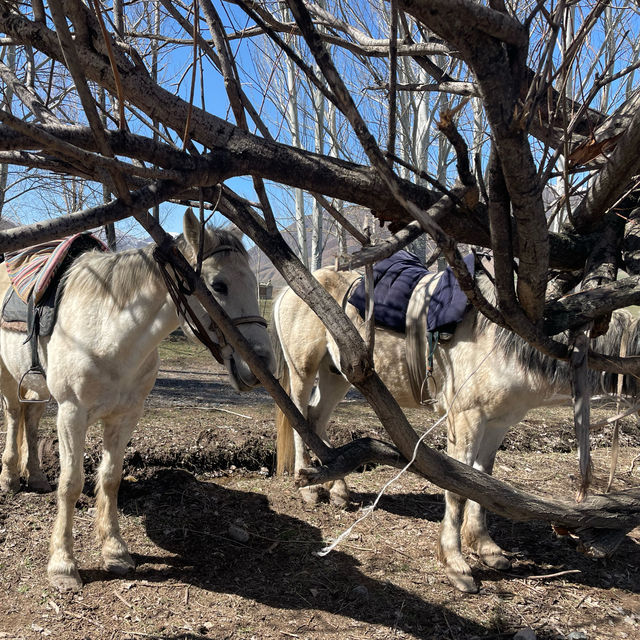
622 325
111 280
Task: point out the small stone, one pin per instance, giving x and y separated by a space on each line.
525 634
238 533
577 635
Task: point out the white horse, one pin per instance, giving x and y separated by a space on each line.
101 362
486 378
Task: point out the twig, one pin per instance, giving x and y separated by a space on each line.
117 595
234 413
79 616
553 575
623 414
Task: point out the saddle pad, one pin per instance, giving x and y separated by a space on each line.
449 302
15 313
394 280
32 270
417 302
39 270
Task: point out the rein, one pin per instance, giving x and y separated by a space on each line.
179 290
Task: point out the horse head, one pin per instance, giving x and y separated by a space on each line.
228 275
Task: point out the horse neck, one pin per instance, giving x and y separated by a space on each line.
129 304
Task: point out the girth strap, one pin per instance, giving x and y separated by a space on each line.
432 342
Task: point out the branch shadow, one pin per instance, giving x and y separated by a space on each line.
276 566
533 546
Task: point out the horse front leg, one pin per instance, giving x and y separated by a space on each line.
115 554
332 388
72 429
474 528
464 432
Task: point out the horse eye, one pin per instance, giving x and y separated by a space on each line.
220 287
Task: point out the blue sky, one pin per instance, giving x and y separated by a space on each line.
173 61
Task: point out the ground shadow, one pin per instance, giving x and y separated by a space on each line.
533 546
212 389
427 506
275 566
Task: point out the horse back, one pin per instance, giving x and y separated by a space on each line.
302 335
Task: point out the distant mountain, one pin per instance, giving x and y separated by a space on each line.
7 223
124 239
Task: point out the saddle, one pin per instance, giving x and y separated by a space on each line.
424 305
36 275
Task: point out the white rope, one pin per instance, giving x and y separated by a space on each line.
367 511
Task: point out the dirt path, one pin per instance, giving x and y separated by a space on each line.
225 550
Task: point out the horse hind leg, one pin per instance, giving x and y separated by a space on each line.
464 433
115 555
300 391
474 528
331 389
30 460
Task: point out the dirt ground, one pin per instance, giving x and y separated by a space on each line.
226 550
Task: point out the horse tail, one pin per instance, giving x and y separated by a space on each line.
285 452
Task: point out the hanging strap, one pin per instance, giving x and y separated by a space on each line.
432 341
33 326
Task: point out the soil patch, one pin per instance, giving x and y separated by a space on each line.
226 550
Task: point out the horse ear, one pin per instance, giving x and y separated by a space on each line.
191 228
235 231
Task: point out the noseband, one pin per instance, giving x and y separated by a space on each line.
179 290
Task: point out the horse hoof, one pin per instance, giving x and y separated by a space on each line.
340 501
462 581
39 485
120 565
312 495
66 582
496 561
339 495
9 485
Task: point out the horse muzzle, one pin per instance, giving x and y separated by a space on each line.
242 378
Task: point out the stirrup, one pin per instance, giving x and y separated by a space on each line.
35 371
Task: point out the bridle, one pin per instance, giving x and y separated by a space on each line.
179 289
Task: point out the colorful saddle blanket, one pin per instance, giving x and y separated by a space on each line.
394 280
32 270
35 274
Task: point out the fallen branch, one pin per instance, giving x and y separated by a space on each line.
600 521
